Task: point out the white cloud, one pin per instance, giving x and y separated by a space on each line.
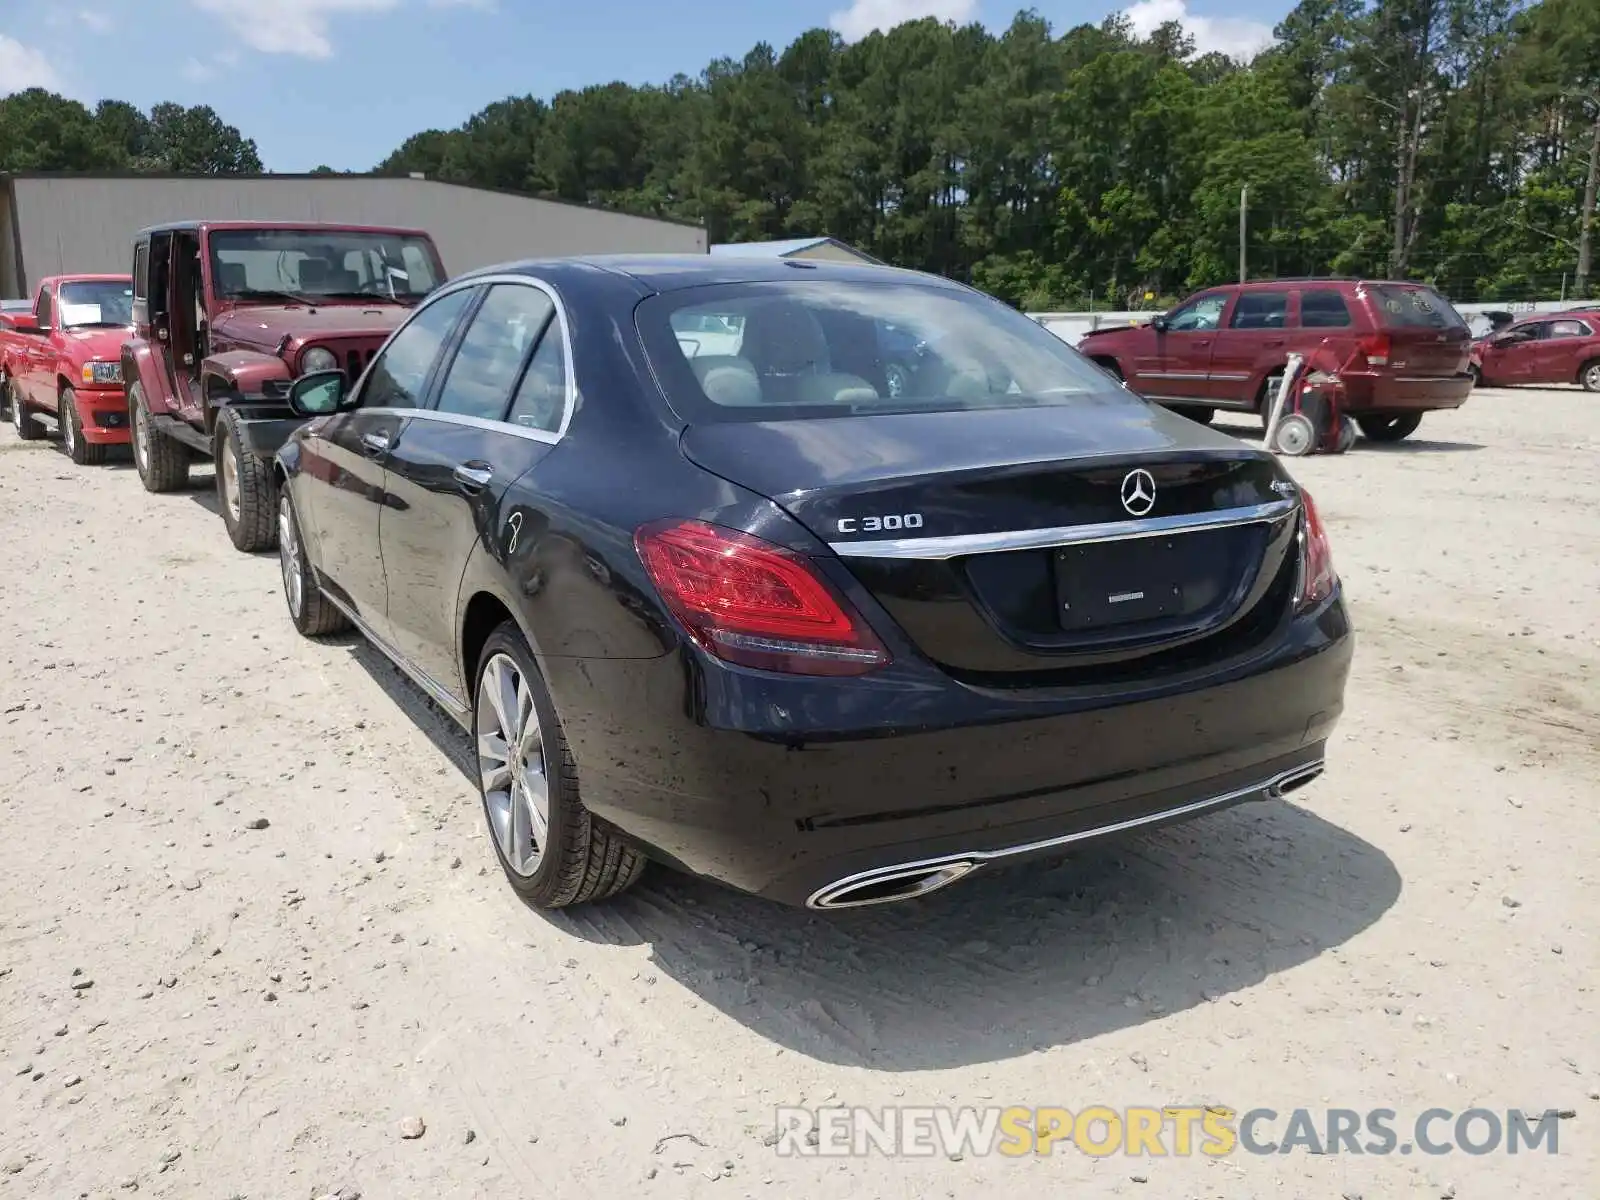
1237 37
288 26
23 67
488 6
98 22
863 16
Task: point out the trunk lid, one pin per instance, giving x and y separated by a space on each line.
1427 337
1000 540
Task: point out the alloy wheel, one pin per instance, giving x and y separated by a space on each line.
511 765
18 417
229 467
69 431
141 438
1591 378
294 583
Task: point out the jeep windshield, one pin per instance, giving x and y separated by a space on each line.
785 351
95 304
315 266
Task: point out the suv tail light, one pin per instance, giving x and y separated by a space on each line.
1317 576
750 602
1376 347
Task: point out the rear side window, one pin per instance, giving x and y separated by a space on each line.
46 307
1260 310
1323 310
1566 329
1413 308
541 401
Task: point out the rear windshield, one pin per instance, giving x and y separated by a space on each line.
1413 307
772 351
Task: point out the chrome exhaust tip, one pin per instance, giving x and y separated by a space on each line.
889 885
1293 781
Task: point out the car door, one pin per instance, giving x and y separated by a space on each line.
1252 342
1176 363
341 490
498 408
1557 355
35 380
1510 356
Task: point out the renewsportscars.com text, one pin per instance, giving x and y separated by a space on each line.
1171 1130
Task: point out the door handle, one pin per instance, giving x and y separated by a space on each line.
375 443
473 476
1203 342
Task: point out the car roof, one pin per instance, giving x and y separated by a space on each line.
672 272
326 226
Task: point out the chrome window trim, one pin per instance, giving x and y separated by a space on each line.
958 545
569 400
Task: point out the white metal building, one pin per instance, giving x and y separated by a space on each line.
58 223
825 249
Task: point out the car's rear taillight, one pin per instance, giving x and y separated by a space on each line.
1317 577
750 602
1377 347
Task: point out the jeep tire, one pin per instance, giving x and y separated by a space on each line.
247 494
578 858
85 454
5 395
162 462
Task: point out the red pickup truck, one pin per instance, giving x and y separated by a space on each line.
64 360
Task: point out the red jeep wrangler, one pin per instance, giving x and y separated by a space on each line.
1226 348
227 314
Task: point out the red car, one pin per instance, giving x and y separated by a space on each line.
1544 349
1226 348
64 360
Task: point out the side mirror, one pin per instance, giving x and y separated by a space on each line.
319 394
1160 323
24 323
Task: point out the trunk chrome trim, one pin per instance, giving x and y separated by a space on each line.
931 874
959 545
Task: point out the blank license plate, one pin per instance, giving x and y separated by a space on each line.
1105 584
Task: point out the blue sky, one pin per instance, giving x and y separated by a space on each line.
343 82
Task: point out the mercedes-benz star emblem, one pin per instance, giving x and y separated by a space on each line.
1138 492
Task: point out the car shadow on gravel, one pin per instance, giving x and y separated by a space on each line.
1007 962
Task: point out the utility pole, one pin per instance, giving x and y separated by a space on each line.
1244 200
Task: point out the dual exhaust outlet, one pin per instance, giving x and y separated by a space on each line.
907 881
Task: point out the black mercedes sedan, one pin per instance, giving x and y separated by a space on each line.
705 589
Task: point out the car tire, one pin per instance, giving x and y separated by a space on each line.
162 463
579 859
1199 413
1589 376
1389 429
896 378
22 419
313 614
5 396
246 490
84 453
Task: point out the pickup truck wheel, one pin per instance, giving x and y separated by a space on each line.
1590 376
1389 429
313 613
23 421
163 463
553 851
246 490
85 454
5 395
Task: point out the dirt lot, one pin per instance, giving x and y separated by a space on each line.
268 1005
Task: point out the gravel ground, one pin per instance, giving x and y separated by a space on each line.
252 933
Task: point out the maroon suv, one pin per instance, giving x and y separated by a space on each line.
1408 350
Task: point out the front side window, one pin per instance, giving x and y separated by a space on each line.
1260 310
96 304
492 351
399 374
819 348
1201 313
273 265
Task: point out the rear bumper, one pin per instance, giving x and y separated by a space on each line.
1374 392
103 416
783 787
